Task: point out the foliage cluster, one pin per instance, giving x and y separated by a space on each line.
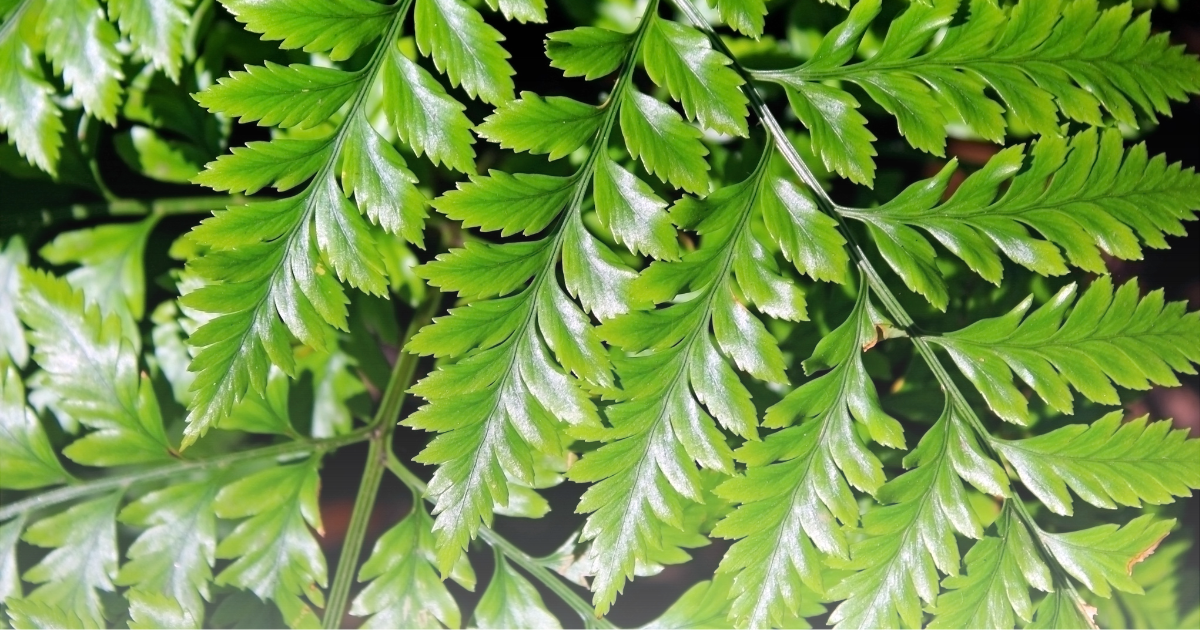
669 309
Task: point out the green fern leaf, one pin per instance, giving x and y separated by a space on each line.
521 10
992 589
424 116
1102 558
172 559
1063 609
111 258
587 51
93 374
83 562
283 163
632 213
1107 463
26 458
667 146
555 125
745 16
681 60
338 27
284 96
28 113
1082 195
1040 58
1108 338
12 334
912 538
157 28
404 589
81 45
795 484
510 601
274 553
464 47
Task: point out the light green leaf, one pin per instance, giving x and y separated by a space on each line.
464 47
170 563
993 588
157 28
556 125
587 51
1107 463
1102 558
383 187
111 264
338 27
1108 338
81 45
839 133
283 163
83 561
28 113
510 601
281 96
404 589
521 10
26 458
631 211
274 553
424 116
10 579
509 266
93 375
807 236
509 203
682 60
165 160
745 16
667 146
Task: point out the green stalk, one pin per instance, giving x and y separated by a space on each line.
532 565
381 428
287 450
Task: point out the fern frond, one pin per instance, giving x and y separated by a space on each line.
999 571
510 393
675 376
1082 195
911 538
172 559
111 261
83 562
93 374
275 269
796 486
510 601
1108 338
274 552
1040 58
26 458
1107 463
404 589
157 28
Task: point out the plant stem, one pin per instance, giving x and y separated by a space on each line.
512 552
381 428
290 450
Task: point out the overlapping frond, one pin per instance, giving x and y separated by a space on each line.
796 486
1081 197
275 269
526 352
92 374
404 589
1107 463
1107 338
678 384
1041 58
912 538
